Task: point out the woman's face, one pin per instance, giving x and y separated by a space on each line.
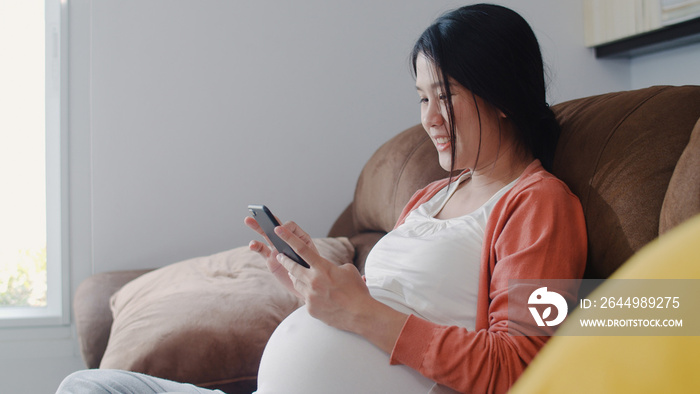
435 120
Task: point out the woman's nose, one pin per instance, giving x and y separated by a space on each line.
432 115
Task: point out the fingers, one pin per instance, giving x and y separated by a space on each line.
295 269
298 276
295 282
296 230
253 225
269 253
260 248
291 226
306 250
298 244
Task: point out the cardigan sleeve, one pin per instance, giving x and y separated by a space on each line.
535 233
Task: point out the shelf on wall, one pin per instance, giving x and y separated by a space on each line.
671 36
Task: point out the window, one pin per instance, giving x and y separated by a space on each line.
32 267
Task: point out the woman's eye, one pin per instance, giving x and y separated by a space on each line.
423 100
442 96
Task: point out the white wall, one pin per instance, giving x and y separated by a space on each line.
183 112
200 108
677 66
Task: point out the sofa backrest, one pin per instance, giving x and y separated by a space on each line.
617 152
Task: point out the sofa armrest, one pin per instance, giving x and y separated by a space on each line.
93 316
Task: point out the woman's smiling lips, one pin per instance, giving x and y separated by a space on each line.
442 143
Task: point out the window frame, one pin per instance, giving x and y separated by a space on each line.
57 310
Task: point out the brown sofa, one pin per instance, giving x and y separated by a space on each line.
629 156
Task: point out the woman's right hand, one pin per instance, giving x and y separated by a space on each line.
269 253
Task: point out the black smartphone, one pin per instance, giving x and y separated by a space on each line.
267 222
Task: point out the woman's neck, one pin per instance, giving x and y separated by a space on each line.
507 166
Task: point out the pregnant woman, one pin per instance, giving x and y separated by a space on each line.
431 313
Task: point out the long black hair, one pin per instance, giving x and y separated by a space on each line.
492 51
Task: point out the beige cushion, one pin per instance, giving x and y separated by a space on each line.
205 320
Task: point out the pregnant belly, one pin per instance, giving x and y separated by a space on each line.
304 355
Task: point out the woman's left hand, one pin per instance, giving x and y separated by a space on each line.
336 295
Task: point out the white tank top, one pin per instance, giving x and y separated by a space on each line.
432 265
428 267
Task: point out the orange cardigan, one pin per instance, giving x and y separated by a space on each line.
535 231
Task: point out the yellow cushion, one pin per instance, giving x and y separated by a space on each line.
616 364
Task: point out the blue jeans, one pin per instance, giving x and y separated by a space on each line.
112 381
